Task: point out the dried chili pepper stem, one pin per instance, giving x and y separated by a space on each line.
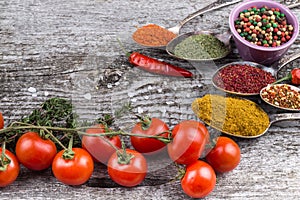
293 76
155 66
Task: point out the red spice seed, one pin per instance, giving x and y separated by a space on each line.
243 79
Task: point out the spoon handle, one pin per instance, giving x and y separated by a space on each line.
213 6
284 116
293 5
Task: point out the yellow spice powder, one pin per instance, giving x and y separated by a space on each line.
231 115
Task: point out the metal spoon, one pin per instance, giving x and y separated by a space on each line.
273 118
224 38
273 69
294 88
213 6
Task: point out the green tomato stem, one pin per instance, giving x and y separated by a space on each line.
69 153
123 157
4 160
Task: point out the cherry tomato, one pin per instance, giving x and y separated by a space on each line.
1 121
75 171
153 126
189 140
130 173
101 148
199 179
34 152
225 156
10 174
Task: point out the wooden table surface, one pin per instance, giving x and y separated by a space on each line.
69 49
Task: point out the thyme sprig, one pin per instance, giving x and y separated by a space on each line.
56 120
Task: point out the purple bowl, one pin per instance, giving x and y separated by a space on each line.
260 54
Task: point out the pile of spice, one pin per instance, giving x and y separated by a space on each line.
153 35
264 26
282 95
200 46
242 78
231 115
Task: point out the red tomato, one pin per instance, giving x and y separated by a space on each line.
199 179
1 121
10 174
34 152
189 140
74 171
225 156
127 174
101 148
153 126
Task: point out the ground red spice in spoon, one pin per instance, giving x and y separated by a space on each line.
243 78
153 35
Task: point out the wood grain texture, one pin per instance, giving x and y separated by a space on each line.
69 49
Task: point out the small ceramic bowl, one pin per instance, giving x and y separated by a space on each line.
253 52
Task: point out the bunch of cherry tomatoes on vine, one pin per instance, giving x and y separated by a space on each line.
185 144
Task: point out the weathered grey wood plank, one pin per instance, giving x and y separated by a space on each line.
64 49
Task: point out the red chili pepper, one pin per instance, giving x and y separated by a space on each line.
155 66
296 76
293 76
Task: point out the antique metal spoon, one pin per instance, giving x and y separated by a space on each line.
217 122
273 69
293 89
273 118
213 6
223 38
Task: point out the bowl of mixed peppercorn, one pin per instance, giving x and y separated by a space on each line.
263 31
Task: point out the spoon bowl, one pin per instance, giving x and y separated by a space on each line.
273 118
224 38
293 89
273 70
230 116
